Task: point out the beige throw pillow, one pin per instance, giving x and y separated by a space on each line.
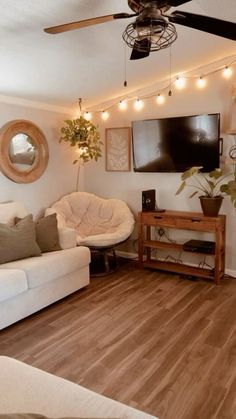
18 241
47 233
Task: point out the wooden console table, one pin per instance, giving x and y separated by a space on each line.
184 221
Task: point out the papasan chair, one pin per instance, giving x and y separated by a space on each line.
101 224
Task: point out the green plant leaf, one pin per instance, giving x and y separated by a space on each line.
69 122
224 188
182 186
232 185
190 172
193 194
211 184
216 174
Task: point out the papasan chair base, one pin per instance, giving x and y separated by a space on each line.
103 261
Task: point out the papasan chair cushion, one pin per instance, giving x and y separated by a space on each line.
98 222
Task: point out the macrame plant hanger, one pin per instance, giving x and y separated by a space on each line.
80 162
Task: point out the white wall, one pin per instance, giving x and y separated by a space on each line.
216 97
60 175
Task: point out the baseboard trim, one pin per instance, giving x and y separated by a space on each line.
131 255
231 272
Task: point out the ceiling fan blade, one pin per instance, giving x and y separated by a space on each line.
204 23
175 3
141 49
87 22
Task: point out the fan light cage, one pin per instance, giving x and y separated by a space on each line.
162 39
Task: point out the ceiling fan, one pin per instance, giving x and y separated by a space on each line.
153 29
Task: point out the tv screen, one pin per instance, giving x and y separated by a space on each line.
176 144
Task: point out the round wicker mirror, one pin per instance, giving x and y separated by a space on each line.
23 151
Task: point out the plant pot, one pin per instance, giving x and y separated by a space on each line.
211 206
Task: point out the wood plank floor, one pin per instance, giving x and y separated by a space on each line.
155 341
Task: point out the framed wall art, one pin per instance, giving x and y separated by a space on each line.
118 149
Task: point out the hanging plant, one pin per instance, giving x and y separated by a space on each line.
84 135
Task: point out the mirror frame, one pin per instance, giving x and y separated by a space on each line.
7 132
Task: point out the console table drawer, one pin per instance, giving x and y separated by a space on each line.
195 224
158 220
188 223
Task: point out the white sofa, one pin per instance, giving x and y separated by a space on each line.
30 284
25 389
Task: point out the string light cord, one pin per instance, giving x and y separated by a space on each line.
203 264
173 259
167 87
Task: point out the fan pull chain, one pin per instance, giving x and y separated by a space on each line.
170 91
125 66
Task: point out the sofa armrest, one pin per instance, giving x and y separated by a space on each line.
67 237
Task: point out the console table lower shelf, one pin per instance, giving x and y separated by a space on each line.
180 268
185 221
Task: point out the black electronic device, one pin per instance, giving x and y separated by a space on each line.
199 246
149 200
176 144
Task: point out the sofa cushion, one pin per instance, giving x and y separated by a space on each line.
52 265
27 389
12 283
18 241
67 237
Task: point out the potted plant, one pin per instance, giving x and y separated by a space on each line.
211 186
84 135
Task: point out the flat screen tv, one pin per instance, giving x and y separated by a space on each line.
176 144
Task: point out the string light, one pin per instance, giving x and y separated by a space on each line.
160 99
105 115
201 82
122 105
227 72
180 82
87 116
138 104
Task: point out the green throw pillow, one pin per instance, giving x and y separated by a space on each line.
18 241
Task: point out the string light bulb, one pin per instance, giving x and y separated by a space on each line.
87 116
180 82
122 105
227 72
138 104
201 82
105 115
160 99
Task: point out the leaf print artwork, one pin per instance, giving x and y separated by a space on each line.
118 149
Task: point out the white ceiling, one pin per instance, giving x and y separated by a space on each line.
89 63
